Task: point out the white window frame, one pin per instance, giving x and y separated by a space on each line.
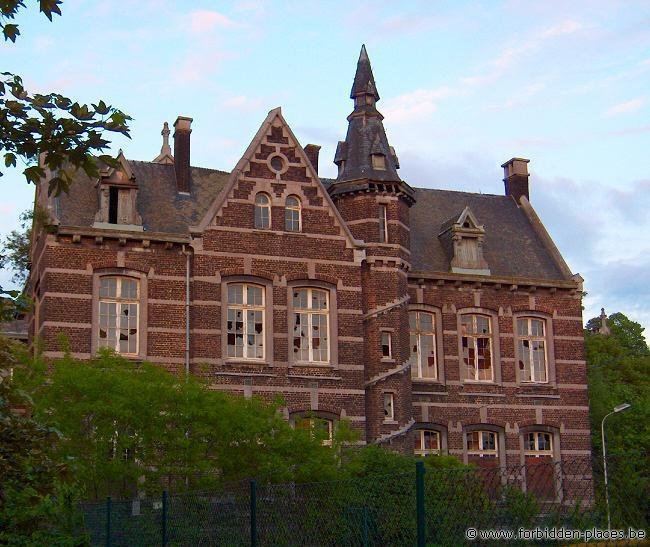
290 223
536 451
421 433
386 342
117 302
472 343
383 223
530 338
311 420
245 307
417 358
311 312
262 207
388 399
481 450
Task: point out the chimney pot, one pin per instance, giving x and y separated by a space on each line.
182 130
516 175
312 151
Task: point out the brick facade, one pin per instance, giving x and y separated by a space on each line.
201 241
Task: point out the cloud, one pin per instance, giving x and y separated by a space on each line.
509 56
625 108
204 21
414 105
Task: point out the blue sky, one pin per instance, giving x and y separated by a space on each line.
464 86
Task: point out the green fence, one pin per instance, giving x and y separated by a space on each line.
432 507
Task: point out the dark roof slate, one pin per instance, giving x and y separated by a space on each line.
512 247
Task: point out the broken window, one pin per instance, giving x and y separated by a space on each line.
482 443
427 442
118 314
310 325
531 342
423 345
245 321
389 407
538 443
292 214
318 428
476 340
386 345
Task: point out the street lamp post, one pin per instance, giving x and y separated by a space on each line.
619 408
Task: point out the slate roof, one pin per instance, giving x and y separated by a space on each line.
162 208
512 247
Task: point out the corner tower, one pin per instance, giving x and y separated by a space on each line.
375 203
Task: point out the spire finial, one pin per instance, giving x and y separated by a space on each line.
604 327
165 155
364 81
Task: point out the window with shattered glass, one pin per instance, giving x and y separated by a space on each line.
476 340
118 314
482 443
531 341
423 345
311 325
245 321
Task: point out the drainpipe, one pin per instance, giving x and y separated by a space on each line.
187 311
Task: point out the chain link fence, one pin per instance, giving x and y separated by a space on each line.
432 506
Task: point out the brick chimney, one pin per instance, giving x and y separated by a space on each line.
312 150
515 173
182 153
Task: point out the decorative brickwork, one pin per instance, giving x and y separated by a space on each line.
328 298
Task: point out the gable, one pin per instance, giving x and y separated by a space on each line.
275 164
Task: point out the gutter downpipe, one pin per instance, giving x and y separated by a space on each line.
187 312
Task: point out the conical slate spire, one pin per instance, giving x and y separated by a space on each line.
364 81
365 154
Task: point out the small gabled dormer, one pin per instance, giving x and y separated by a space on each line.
118 198
464 238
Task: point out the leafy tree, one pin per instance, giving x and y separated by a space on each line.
130 427
628 333
15 249
35 503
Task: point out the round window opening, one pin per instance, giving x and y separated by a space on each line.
277 163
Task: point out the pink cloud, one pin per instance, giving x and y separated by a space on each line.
626 107
202 21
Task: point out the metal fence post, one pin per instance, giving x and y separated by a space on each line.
365 526
164 518
253 502
419 491
108 521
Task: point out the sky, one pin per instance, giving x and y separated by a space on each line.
464 87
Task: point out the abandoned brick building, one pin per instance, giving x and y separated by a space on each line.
432 320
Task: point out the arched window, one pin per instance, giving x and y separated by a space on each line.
262 211
538 443
531 349
423 345
427 442
311 325
482 443
118 314
292 220
245 321
317 426
476 340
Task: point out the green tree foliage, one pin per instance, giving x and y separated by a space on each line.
35 506
14 250
65 134
618 368
135 427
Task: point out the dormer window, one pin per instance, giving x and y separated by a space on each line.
118 197
341 167
464 237
379 162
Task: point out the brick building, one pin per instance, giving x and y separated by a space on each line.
432 320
